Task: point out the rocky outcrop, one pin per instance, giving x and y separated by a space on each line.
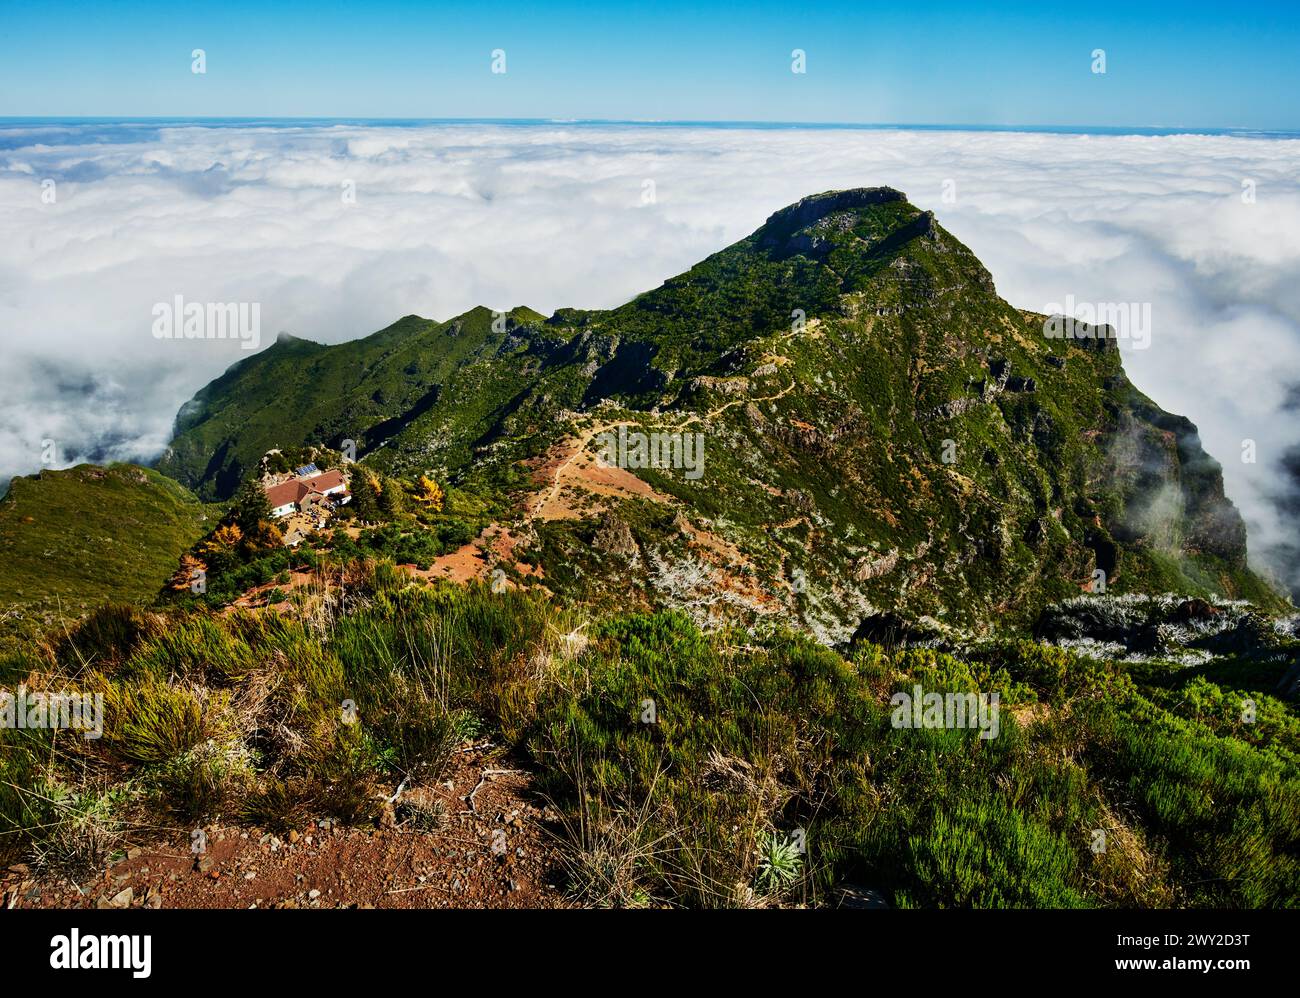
614 536
781 225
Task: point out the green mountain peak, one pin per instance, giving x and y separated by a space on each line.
880 430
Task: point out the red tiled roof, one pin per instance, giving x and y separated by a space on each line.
327 480
297 489
285 493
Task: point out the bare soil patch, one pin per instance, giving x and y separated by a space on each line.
492 845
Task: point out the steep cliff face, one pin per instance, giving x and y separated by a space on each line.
880 432
1171 490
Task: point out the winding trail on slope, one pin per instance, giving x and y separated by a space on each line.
550 494
548 497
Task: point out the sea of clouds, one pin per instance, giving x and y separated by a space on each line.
449 216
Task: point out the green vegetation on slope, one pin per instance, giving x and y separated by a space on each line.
457 376
70 540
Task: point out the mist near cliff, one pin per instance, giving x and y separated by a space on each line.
338 229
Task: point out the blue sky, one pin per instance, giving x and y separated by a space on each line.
1204 65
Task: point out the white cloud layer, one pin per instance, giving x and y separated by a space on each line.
447 217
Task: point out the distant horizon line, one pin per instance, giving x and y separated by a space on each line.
1142 130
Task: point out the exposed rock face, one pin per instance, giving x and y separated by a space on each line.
804 213
1172 491
873 568
614 536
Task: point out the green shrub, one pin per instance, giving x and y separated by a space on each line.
151 721
201 783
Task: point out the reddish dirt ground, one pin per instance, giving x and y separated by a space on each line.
496 545
570 472
492 847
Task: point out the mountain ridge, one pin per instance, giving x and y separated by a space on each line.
849 358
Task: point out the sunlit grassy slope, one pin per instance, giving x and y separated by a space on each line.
70 540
